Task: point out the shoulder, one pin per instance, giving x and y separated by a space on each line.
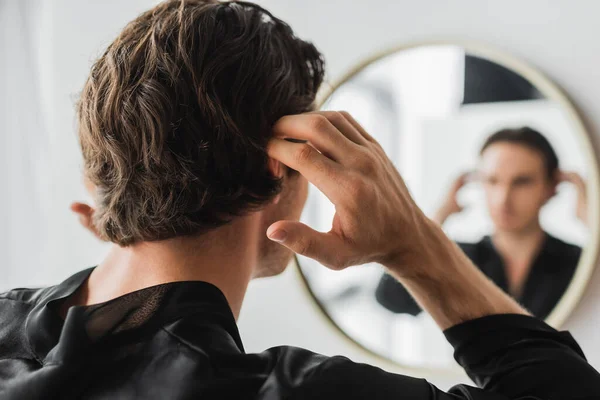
31 297
291 373
18 303
315 376
468 247
23 295
477 250
562 246
307 375
561 260
15 307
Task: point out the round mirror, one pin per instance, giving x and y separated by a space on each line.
491 150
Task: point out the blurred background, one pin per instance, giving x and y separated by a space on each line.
46 50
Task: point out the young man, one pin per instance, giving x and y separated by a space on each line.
519 171
183 126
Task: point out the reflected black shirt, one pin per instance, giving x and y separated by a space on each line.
180 341
548 279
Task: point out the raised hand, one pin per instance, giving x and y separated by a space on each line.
376 219
580 185
450 204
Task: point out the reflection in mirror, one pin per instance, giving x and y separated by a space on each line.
486 155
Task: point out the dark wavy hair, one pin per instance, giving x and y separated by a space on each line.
176 114
531 139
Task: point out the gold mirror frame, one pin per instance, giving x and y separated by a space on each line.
589 256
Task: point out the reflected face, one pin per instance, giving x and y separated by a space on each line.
516 185
274 257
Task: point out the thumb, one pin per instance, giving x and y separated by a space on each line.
326 248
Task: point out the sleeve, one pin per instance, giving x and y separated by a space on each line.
340 378
518 356
393 296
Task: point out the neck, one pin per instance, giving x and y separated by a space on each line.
519 245
225 257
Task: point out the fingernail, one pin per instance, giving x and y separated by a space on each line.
278 236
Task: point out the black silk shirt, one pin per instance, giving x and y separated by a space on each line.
548 279
180 341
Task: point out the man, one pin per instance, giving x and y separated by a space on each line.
183 126
519 171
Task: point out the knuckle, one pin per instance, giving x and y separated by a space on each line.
334 116
304 153
345 114
303 246
365 163
335 263
340 262
377 146
318 122
356 188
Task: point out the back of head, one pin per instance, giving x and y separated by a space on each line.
175 116
531 139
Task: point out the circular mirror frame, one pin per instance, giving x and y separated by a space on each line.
589 256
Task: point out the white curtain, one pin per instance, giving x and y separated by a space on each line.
23 138
46 50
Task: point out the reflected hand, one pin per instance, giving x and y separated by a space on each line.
86 214
580 185
450 205
376 220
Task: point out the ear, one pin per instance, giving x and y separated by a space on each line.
276 169
86 217
82 210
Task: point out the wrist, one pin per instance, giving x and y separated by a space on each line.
445 282
426 256
442 213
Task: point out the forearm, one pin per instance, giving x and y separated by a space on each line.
522 357
447 285
508 354
505 353
441 215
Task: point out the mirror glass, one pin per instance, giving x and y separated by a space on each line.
488 156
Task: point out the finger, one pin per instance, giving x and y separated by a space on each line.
316 129
468 175
322 172
460 182
358 127
326 248
578 180
566 177
341 122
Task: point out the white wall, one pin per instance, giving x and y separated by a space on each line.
558 36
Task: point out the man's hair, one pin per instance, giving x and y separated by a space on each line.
530 138
176 114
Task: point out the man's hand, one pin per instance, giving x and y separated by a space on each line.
579 183
376 220
450 205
